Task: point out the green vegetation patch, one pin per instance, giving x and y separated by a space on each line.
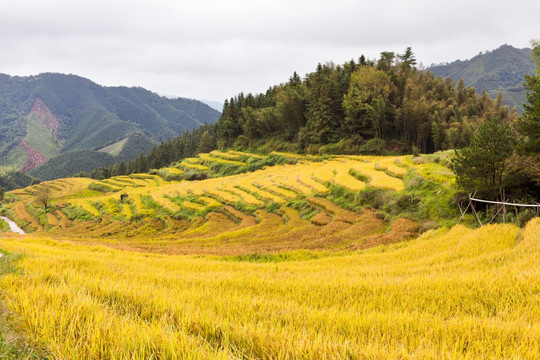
76 213
116 148
100 187
15 158
4 226
40 138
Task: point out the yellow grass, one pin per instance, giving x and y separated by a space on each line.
389 164
210 158
52 219
305 178
226 196
148 178
278 184
239 153
112 206
328 170
86 205
173 170
379 179
348 181
22 213
210 202
340 214
193 166
245 196
248 185
165 202
193 206
450 294
139 205
289 155
191 160
126 211
64 222
430 170
133 181
231 155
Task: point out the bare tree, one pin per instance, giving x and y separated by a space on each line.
43 197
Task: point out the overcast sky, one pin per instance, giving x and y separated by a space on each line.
212 49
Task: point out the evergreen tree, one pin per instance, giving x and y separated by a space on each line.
367 104
206 143
324 111
484 165
529 123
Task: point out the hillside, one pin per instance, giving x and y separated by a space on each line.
367 107
11 179
243 191
282 256
49 114
502 70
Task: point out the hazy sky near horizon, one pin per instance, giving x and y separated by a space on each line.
212 49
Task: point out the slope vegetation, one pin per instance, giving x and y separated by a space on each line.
287 256
43 116
502 70
302 203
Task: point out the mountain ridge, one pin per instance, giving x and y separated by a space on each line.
502 69
45 115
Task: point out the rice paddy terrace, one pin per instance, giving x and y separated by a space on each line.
276 208
308 258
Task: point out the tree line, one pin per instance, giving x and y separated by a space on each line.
365 106
188 144
503 158
376 106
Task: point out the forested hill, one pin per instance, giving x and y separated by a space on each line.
363 106
44 116
502 70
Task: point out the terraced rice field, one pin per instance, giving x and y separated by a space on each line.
264 265
180 204
450 294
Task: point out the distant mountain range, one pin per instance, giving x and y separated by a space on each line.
502 70
51 120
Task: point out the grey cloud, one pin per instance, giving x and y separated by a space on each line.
213 49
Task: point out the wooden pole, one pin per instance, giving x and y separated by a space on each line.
504 206
467 208
474 210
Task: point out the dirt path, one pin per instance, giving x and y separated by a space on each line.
14 228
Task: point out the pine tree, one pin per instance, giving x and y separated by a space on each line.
206 143
529 124
484 164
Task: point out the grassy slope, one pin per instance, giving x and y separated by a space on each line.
89 116
15 158
116 148
451 294
40 138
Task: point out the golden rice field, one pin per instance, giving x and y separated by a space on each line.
264 265
144 212
277 184
449 294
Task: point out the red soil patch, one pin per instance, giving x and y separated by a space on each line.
34 157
